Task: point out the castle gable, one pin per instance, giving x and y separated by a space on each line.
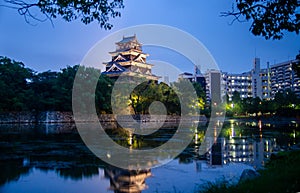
139 58
116 68
119 58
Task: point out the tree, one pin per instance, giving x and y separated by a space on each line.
145 94
14 85
270 18
148 92
21 89
45 91
189 96
103 94
85 96
236 105
285 98
267 107
64 86
236 98
85 10
170 99
199 90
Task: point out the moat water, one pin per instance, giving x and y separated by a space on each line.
52 158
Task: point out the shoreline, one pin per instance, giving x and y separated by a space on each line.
279 175
68 117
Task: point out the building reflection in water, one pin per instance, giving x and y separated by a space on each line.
127 181
239 149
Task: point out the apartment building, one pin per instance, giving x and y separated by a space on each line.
241 83
263 83
283 77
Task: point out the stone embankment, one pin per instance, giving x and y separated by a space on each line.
67 117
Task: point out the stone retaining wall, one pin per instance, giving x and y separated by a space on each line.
32 117
17 117
67 117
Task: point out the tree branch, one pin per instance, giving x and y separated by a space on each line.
85 10
269 18
237 14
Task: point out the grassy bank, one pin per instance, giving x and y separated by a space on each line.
282 174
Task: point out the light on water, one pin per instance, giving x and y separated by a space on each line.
52 158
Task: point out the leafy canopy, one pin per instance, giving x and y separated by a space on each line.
85 10
270 18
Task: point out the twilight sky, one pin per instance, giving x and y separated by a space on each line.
43 47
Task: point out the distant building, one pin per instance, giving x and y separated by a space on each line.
254 83
211 82
241 83
283 77
196 77
166 80
199 77
261 83
256 79
187 76
128 59
214 87
265 83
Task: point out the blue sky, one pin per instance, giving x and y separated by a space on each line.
43 47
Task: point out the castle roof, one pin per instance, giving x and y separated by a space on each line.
128 39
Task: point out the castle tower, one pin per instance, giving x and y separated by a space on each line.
128 59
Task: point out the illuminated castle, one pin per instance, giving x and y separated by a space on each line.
128 59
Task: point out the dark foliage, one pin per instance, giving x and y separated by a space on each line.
14 85
21 89
270 18
85 10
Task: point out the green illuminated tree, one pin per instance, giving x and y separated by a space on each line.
147 92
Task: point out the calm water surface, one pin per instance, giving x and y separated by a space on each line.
52 158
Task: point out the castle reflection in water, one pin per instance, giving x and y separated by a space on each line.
131 181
